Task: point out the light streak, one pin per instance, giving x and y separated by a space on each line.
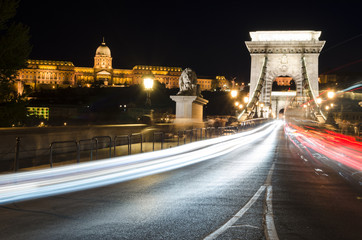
334 146
61 180
352 88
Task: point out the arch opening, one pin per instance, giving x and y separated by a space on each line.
284 83
281 113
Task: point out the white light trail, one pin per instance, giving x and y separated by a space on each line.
61 180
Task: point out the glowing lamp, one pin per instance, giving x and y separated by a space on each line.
331 94
148 82
234 93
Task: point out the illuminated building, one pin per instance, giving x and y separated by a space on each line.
41 72
327 78
205 84
40 112
283 81
222 82
166 75
52 74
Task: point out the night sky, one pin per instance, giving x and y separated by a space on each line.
207 36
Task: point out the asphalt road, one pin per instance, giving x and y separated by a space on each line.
263 189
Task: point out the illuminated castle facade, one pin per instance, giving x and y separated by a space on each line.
52 74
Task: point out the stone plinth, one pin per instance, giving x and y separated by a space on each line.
189 109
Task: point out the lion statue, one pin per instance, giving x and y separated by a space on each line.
188 83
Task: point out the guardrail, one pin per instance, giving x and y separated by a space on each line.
161 136
62 142
118 138
88 149
16 160
132 136
91 145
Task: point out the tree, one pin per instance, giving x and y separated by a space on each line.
14 48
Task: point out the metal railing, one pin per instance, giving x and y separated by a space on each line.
161 137
131 137
89 148
62 142
97 138
120 138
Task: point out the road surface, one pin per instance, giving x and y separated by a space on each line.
261 189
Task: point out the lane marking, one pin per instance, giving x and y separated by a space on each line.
269 230
245 225
270 174
269 227
238 215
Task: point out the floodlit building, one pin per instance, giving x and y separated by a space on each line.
53 74
41 112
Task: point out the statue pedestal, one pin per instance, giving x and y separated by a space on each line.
189 110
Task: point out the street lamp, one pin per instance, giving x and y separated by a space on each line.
148 83
261 110
330 94
234 93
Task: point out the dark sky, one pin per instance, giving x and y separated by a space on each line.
207 36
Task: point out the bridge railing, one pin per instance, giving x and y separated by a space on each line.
100 147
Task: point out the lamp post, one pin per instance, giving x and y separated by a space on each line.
261 110
256 110
148 83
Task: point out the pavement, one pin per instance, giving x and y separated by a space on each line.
261 190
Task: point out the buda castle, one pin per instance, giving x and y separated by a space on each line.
52 74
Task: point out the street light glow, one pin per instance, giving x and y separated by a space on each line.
148 82
330 94
234 93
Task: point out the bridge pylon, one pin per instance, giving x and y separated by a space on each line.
282 54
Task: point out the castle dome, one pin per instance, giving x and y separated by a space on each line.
103 50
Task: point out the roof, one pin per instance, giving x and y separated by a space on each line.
50 62
157 68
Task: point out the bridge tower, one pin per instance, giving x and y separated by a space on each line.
282 54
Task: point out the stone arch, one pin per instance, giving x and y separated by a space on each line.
272 74
286 53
